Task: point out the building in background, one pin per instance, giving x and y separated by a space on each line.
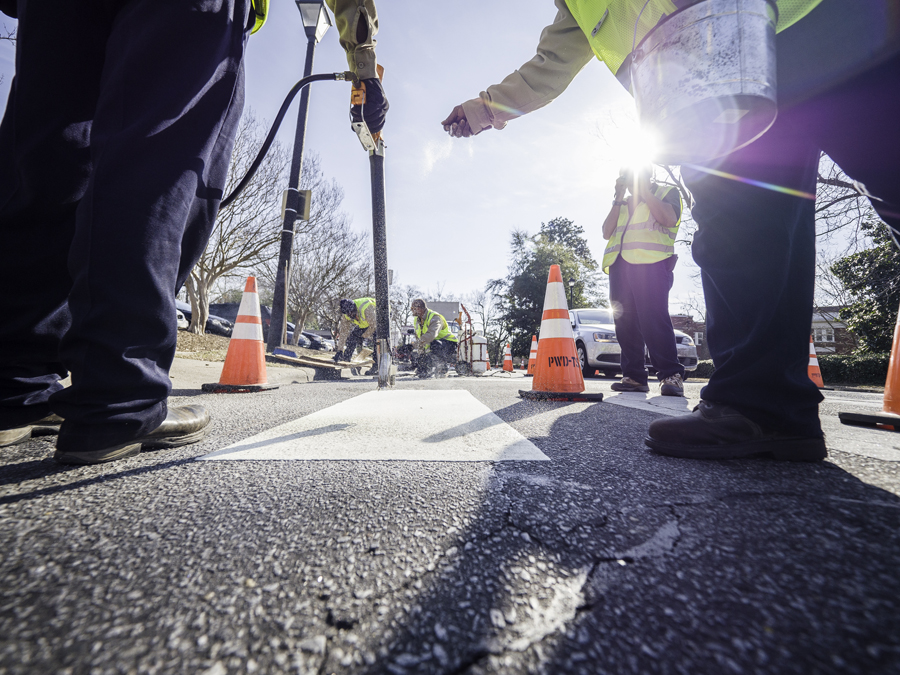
696 329
830 335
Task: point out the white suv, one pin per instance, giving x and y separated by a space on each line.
598 348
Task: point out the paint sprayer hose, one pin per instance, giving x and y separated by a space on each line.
347 75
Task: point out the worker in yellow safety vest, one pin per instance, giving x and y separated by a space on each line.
357 324
114 155
435 342
640 259
838 66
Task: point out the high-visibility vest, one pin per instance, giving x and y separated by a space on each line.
361 305
638 238
443 334
260 11
609 25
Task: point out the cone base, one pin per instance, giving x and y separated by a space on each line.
533 395
217 388
871 420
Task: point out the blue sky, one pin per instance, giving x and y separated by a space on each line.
451 203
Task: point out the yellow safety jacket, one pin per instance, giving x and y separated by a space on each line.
639 239
443 334
260 11
361 305
609 25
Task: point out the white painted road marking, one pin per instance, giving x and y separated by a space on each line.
431 426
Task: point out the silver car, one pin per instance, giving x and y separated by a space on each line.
598 348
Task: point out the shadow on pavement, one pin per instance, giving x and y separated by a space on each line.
611 559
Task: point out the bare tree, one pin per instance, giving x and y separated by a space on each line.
8 34
401 303
485 310
246 231
321 262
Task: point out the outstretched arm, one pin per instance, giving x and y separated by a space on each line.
562 52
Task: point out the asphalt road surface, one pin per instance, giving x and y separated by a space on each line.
325 532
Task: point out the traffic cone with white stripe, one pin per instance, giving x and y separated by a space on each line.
558 371
889 418
532 357
245 362
813 369
507 359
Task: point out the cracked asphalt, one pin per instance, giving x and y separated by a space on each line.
606 559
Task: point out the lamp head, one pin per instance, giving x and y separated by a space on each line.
315 18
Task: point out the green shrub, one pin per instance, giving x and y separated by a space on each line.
846 369
704 370
854 368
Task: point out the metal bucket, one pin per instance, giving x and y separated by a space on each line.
704 79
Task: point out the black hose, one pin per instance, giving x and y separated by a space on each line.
277 123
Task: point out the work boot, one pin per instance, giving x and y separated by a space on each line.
14 436
627 384
43 427
715 431
672 386
183 425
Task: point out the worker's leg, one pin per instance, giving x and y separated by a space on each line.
44 170
628 328
651 284
756 249
169 103
444 352
857 126
424 363
354 340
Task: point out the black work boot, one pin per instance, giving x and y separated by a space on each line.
715 431
183 425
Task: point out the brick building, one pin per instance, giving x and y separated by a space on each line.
830 335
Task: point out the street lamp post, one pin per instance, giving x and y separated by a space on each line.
571 290
315 22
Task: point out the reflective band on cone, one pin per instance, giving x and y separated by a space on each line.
557 373
507 359
245 362
813 369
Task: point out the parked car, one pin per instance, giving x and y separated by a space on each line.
598 348
307 340
183 323
215 324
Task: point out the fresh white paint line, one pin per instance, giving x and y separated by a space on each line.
664 405
430 426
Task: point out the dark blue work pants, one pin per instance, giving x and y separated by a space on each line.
354 340
640 297
439 353
114 152
756 246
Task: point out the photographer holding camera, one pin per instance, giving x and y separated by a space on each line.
640 259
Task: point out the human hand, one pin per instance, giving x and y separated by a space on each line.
621 184
457 125
374 110
643 187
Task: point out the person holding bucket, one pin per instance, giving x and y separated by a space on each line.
838 76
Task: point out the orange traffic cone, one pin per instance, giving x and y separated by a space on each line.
532 357
507 359
889 418
245 362
813 369
557 374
